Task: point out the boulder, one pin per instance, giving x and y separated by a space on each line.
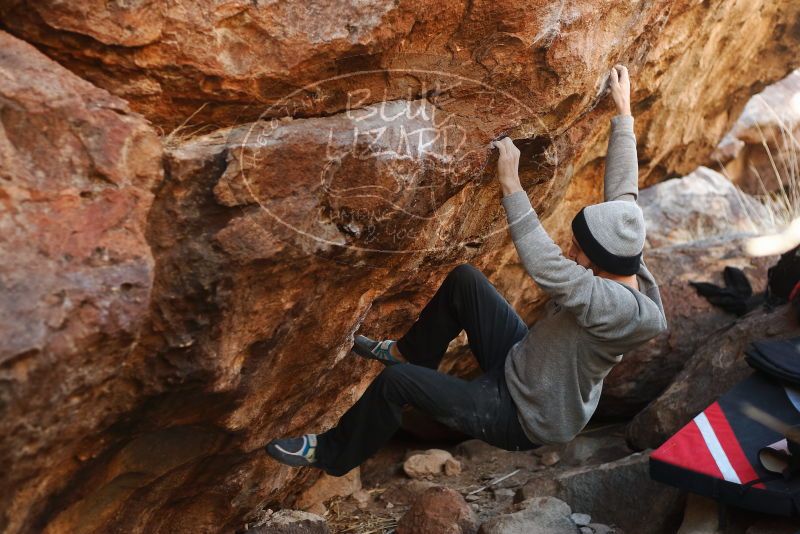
291 522
617 493
406 492
313 498
452 467
539 515
431 463
272 242
695 207
439 510
476 450
582 520
701 516
231 62
715 367
595 447
763 139
550 458
77 174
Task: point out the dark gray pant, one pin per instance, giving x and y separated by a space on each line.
481 408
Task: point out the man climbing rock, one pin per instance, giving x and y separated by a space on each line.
539 385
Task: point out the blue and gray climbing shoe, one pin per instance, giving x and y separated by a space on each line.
297 452
375 350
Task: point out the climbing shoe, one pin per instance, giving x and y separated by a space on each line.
375 350
297 452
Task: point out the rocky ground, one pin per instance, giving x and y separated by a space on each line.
398 487
594 485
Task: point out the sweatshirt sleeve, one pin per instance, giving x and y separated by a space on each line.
601 306
621 176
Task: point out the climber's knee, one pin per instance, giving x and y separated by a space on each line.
466 272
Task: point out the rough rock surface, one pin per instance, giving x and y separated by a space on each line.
239 58
430 463
701 516
595 448
540 515
439 510
77 170
715 367
475 450
701 205
313 498
408 493
582 520
615 493
771 117
274 241
292 522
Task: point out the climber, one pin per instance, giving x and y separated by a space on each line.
539 385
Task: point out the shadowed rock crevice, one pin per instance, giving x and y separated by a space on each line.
537 160
125 469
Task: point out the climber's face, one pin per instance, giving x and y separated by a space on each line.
575 253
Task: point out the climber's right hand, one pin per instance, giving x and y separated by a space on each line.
508 166
619 84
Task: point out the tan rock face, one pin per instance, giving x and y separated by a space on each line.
771 118
701 205
694 63
76 179
274 241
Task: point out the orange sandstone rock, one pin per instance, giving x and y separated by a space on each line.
77 174
269 243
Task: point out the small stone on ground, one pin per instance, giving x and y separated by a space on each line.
581 520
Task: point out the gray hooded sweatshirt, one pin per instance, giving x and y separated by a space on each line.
555 373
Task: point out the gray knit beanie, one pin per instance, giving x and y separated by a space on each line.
611 235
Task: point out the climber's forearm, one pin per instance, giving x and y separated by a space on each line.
621 176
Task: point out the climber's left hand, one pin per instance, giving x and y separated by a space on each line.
619 85
508 166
